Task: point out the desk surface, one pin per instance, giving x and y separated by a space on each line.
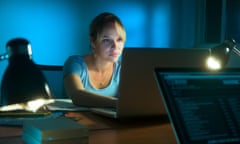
105 130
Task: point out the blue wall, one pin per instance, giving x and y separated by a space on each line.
59 28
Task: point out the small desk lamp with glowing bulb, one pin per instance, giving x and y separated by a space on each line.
219 55
23 84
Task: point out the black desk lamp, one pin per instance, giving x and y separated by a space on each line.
219 55
22 83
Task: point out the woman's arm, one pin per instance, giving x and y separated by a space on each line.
81 97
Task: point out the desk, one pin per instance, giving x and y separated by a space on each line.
109 131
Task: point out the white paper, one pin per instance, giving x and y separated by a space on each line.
65 105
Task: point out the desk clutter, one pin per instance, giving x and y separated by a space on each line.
59 130
49 111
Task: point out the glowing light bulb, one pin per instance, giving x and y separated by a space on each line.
213 63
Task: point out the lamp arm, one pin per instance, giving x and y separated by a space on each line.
236 51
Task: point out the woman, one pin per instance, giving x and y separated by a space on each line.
92 80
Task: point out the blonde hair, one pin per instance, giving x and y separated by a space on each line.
100 22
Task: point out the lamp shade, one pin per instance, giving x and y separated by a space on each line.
22 81
223 50
221 53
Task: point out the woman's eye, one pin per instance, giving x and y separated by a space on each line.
107 41
120 40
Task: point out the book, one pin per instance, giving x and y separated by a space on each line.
53 130
29 139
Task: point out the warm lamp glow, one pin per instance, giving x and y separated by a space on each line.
213 63
36 104
31 106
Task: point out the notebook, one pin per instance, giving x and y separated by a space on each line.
138 92
203 106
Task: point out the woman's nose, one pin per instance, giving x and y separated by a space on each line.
114 44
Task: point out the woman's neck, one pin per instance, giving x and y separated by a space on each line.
99 65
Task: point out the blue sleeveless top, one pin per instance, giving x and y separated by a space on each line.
77 65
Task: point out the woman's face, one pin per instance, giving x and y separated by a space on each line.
109 45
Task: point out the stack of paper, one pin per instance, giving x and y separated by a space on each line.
60 130
64 105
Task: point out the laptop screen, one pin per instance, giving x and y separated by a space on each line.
203 107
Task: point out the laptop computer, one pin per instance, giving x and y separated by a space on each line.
138 92
203 106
